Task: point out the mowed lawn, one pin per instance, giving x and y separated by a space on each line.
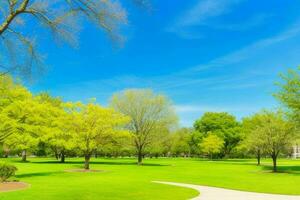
122 179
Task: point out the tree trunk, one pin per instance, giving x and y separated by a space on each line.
56 156
258 156
87 162
24 156
140 157
274 158
62 157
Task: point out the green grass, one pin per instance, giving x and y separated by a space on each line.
122 179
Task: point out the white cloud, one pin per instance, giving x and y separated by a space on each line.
205 12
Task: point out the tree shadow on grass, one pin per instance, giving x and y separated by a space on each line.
36 174
99 163
231 161
293 169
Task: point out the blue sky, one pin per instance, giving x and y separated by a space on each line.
206 55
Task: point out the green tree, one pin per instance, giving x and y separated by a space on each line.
91 122
223 125
194 140
273 132
180 142
10 92
29 119
211 144
289 94
149 114
58 135
254 141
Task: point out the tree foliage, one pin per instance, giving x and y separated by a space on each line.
149 113
289 93
211 144
90 124
224 126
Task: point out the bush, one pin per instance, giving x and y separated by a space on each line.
6 171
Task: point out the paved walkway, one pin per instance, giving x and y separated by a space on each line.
213 193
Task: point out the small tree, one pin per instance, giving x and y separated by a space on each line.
277 134
180 142
149 114
212 144
268 132
254 142
91 122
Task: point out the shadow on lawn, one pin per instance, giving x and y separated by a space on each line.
99 163
294 169
29 175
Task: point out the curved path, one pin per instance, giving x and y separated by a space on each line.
213 193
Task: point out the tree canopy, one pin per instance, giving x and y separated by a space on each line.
149 113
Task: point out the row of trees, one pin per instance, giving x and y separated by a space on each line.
141 123
41 123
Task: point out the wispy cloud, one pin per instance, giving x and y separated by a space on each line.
205 9
189 77
204 14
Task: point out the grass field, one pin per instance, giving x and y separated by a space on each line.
122 179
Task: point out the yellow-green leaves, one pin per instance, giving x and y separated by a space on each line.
92 122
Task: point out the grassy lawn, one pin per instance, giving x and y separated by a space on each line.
122 179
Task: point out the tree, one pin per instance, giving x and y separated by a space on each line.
275 134
223 125
161 144
180 142
92 122
211 144
254 141
9 93
27 117
149 113
58 134
289 94
194 140
60 18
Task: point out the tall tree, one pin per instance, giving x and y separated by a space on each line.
149 114
18 19
223 125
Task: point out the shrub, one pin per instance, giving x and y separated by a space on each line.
6 171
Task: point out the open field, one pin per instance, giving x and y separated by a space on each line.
122 179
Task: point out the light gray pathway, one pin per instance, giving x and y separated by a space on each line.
213 193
